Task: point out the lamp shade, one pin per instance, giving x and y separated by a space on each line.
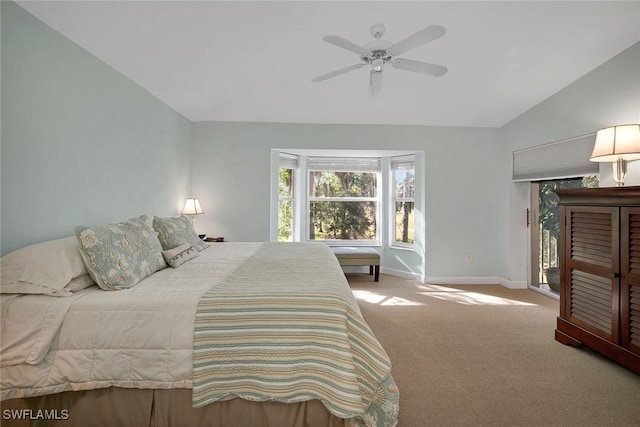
617 142
192 207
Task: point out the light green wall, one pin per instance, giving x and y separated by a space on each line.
81 144
464 212
608 95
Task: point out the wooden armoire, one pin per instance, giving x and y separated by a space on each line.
599 249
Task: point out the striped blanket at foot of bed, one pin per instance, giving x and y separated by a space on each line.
285 327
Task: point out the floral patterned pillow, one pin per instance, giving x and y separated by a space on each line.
120 255
176 231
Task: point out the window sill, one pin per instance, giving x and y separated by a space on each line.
347 243
407 248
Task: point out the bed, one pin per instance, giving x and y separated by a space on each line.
241 334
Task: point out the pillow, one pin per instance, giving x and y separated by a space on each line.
31 288
79 283
177 256
176 231
43 268
118 256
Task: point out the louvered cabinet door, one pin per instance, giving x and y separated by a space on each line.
630 279
591 269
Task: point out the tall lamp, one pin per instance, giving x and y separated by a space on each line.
617 144
192 207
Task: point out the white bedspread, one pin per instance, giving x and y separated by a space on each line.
50 345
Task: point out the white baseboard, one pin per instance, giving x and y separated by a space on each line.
443 280
403 274
450 280
513 284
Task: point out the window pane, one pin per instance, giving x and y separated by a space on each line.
285 205
342 184
405 222
545 231
285 220
331 220
405 184
285 187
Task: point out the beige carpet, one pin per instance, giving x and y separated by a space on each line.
485 356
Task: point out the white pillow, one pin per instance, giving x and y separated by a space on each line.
43 268
79 283
179 255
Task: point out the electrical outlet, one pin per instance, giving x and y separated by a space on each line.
469 258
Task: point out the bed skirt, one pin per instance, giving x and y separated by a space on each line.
158 408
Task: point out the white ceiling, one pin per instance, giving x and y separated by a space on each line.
254 61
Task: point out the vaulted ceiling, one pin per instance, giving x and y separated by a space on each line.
254 61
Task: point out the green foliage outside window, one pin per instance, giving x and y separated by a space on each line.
404 194
285 205
549 215
549 210
335 213
405 220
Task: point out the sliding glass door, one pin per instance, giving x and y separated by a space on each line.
545 226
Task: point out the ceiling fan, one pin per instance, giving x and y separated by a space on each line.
380 52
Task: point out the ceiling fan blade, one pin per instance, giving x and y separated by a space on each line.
375 82
346 44
419 67
423 36
337 72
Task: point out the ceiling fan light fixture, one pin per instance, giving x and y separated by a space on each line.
378 52
375 82
377 65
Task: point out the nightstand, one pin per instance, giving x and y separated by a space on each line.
214 239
